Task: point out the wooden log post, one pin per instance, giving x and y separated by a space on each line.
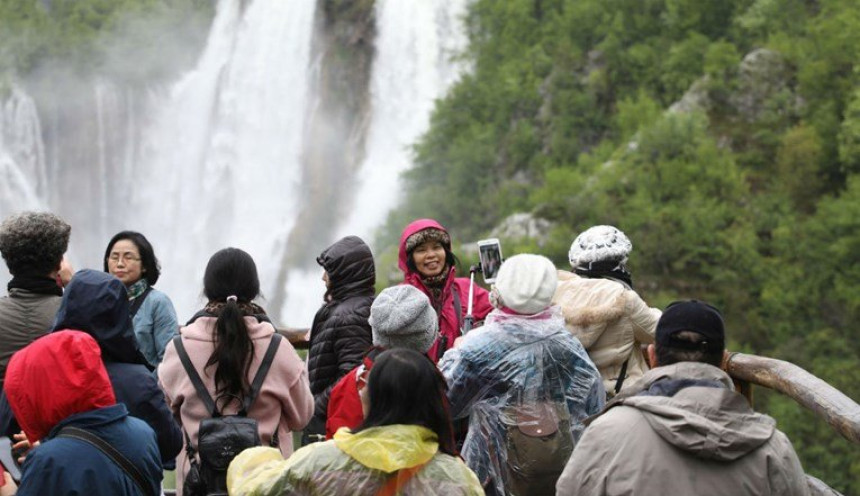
827 402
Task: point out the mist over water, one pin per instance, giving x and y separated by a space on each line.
215 158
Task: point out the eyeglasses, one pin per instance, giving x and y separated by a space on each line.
125 257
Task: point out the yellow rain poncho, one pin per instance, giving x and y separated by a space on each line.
364 463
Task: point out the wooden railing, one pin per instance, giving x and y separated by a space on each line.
827 402
298 337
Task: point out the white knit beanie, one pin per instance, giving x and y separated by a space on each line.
402 317
597 244
525 284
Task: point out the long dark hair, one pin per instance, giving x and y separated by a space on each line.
149 264
231 272
405 387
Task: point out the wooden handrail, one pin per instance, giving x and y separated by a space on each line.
827 402
298 337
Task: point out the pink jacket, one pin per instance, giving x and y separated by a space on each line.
285 398
449 324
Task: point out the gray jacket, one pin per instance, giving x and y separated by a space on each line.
24 316
683 430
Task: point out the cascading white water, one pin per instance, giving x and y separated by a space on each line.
226 148
215 159
23 178
414 66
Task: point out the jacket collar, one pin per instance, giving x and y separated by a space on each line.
389 448
92 419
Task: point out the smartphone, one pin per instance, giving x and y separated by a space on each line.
490 253
7 460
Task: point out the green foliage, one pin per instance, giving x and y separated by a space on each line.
125 39
745 195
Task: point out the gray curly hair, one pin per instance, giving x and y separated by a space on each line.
33 243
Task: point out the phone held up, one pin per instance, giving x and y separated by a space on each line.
490 254
7 460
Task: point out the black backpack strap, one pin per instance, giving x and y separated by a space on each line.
135 305
621 376
195 378
458 306
129 468
265 365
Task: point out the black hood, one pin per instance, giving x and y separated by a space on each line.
349 264
97 303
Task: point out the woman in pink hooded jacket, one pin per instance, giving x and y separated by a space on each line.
428 264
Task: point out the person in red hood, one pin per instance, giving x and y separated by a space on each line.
59 382
428 264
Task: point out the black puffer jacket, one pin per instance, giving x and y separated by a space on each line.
340 335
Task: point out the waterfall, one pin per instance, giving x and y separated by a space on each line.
23 178
225 148
219 157
414 66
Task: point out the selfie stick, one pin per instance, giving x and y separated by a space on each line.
467 322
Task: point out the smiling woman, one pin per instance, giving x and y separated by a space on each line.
129 256
428 264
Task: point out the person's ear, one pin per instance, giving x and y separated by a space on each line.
652 356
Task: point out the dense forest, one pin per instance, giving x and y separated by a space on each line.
723 136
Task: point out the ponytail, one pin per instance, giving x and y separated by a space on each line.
231 278
233 352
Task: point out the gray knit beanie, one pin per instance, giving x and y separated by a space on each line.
402 317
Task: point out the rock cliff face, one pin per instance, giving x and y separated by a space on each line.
342 57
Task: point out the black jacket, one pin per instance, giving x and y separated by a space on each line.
97 303
340 335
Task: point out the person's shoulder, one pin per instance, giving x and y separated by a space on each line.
444 468
351 311
158 298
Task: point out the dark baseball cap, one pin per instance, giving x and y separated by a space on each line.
695 316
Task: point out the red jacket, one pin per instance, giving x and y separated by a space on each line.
449 324
40 397
344 404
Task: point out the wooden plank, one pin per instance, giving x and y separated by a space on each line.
827 402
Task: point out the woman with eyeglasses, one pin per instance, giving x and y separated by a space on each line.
129 256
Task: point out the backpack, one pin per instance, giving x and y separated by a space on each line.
539 443
221 437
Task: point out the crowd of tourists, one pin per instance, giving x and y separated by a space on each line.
567 383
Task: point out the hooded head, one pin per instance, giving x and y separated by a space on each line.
418 232
525 284
56 376
349 265
97 303
402 317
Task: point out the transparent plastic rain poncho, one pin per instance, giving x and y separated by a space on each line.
361 463
520 377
